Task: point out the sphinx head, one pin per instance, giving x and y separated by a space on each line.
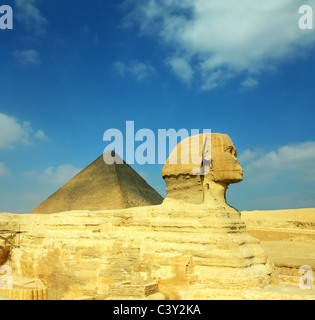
201 168
225 167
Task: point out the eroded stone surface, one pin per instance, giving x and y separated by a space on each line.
82 253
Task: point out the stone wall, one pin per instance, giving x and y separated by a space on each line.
82 253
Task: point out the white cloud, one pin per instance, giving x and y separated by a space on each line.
250 83
40 134
55 175
13 131
295 161
223 39
31 173
27 57
247 155
139 70
181 68
4 171
28 14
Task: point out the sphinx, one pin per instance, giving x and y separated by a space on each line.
193 239
225 252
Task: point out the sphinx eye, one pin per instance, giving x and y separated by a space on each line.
232 151
229 149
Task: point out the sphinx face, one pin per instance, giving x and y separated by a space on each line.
224 164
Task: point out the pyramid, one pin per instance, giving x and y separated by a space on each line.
101 187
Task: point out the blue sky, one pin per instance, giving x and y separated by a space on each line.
73 69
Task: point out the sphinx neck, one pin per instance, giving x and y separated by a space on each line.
215 192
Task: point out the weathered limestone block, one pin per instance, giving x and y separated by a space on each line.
26 289
126 289
25 294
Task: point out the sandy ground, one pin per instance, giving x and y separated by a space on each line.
288 238
300 218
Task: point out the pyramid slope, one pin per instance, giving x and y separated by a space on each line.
136 191
101 187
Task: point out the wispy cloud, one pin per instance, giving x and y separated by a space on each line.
27 57
250 83
279 179
295 162
137 69
247 155
28 13
14 132
55 175
40 134
4 171
181 68
218 40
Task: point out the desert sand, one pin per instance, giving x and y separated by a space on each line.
287 236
